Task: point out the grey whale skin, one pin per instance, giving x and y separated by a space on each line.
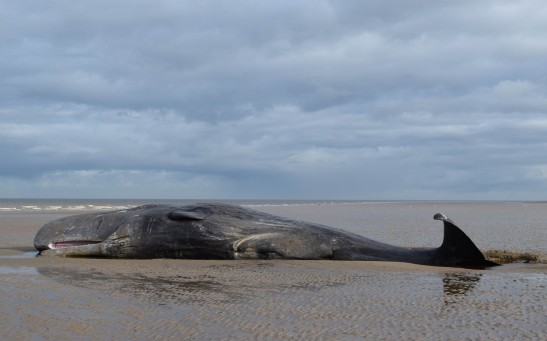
221 231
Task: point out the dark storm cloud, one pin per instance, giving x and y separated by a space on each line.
329 99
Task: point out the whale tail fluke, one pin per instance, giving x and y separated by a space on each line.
457 248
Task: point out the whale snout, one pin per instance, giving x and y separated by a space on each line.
77 231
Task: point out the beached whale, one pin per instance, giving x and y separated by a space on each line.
221 231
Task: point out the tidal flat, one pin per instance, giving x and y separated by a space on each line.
99 299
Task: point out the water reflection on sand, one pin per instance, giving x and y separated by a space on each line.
147 299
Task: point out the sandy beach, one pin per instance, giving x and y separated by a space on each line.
46 298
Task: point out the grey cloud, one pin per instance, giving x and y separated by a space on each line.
325 99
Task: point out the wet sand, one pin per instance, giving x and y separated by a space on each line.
103 299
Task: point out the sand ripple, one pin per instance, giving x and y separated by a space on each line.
270 300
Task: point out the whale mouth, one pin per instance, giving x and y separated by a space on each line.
72 243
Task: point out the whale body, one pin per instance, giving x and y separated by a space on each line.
222 231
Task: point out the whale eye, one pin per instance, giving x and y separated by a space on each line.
185 215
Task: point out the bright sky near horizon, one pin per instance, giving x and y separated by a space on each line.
274 99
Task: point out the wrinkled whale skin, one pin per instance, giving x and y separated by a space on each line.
222 231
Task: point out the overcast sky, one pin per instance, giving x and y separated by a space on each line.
274 99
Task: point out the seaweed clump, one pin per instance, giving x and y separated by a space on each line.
506 257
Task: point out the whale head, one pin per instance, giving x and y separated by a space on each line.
110 233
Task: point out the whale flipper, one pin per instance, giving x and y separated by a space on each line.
457 247
280 245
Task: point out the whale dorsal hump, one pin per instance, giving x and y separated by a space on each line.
185 215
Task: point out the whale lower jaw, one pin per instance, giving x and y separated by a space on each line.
72 243
74 249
